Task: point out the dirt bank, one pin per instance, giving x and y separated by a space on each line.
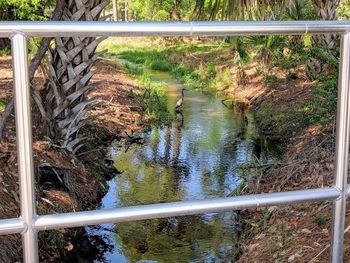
66 183
299 233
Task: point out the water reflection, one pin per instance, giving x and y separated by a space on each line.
195 157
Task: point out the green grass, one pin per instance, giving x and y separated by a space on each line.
153 97
149 58
169 58
52 240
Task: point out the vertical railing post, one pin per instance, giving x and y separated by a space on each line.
342 148
24 146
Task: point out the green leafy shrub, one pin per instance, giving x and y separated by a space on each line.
161 15
156 104
267 47
22 10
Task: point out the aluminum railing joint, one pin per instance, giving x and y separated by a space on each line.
339 191
17 32
25 226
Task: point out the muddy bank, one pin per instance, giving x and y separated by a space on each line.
66 183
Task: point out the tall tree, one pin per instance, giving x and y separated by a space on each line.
126 10
66 92
325 10
115 10
239 9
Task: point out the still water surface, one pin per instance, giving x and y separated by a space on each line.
196 157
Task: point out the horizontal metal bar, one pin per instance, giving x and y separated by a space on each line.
77 219
89 29
12 226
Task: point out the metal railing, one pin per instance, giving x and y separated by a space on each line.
29 223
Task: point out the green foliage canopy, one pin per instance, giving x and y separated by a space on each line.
161 10
344 10
23 9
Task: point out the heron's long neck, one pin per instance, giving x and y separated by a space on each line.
183 93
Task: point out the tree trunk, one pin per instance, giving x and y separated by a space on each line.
198 11
115 10
325 10
66 91
126 10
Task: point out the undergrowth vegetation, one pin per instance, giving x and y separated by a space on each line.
155 99
162 57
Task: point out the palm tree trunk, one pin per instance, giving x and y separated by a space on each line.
325 10
66 92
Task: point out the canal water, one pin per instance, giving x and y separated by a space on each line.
198 156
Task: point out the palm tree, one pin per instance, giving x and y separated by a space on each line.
66 92
241 57
325 10
266 45
239 9
272 9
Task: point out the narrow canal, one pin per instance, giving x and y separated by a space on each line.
197 156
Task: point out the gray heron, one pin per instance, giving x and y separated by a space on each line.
181 100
